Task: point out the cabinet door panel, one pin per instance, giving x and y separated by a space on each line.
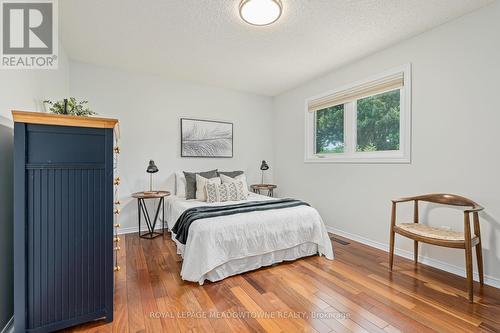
65 258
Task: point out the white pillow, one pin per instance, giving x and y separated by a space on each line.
180 184
201 184
241 178
232 191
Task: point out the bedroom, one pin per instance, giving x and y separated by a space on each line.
154 65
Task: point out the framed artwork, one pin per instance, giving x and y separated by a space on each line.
206 138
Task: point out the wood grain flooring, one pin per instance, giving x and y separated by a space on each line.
354 293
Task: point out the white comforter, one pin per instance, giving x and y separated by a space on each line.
215 241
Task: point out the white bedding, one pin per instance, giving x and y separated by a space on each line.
226 245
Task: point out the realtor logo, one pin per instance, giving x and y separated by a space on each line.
29 34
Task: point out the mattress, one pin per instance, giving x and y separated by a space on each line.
222 246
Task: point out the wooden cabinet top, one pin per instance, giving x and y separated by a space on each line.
62 120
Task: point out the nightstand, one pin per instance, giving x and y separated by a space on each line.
142 208
257 188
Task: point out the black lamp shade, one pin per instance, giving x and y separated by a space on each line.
264 166
152 168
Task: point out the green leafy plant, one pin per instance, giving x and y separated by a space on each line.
70 106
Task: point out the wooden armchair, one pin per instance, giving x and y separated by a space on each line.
424 233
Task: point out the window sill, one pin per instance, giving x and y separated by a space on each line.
360 158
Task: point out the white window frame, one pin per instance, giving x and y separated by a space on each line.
350 155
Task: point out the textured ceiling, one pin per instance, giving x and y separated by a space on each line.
205 41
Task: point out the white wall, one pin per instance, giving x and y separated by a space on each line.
26 89
456 139
149 109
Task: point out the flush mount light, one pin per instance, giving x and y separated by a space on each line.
260 12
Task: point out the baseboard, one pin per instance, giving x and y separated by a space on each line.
9 328
457 270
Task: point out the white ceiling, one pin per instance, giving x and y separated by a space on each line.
205 41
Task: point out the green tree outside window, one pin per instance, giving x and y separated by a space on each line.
377 125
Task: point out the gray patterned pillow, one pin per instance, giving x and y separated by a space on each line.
225 192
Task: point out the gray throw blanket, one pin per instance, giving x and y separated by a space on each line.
181 227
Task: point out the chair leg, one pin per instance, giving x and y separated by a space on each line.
391 249
479 257
479 248
415 251
468 266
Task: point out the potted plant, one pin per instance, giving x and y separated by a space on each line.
70 106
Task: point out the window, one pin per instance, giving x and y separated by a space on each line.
330 130
367 122
377 122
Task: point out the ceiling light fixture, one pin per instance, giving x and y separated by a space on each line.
260 12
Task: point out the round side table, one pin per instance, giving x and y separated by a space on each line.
142 209
257 188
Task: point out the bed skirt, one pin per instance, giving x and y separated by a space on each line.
242 265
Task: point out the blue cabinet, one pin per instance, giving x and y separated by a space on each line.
63 223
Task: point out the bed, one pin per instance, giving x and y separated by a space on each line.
223 246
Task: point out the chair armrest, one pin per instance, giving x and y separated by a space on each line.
403 199
474 210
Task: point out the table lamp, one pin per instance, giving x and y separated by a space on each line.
152 168
263 167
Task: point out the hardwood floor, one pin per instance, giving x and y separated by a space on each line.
355 292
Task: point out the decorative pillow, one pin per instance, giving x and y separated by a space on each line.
201 183
180 184
231 174
241 178
191 181
225 192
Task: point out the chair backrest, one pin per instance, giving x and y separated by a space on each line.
446 199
